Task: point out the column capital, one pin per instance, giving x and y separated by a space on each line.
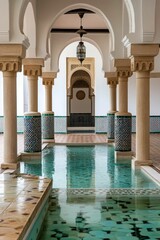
33 66
48 78
123 67
142 56
111 78
11 57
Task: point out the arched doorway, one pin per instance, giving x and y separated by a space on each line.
80 99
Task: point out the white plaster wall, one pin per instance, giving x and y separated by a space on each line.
81 106
1 94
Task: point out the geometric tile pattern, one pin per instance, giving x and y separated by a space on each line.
20 124
60 123
101 216
110 125
48 126
123 133
32 134
101 124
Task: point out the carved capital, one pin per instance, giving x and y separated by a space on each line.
33 66
142 63
123 67
112 81
111 78
10 64
10 57
124 72
48 81
48 78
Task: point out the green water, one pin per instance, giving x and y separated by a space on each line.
85 167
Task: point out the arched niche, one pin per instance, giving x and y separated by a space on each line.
80 95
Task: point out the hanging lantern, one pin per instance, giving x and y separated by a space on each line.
81 51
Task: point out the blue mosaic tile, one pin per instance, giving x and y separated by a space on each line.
123 133
101 124
32 134
48 126
110 125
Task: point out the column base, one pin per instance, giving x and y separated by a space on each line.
110 140
48 125
123 157
13 166
123 127
32 132
48 141
137 163
110 124
30 155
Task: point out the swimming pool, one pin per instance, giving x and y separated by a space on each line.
86 167
95 198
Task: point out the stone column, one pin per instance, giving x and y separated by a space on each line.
112 82
142 62
48 115
10 64
123 119
32 118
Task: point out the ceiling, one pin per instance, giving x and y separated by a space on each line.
71 20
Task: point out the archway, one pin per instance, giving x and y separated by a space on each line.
80 96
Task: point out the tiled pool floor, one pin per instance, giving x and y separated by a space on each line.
116 214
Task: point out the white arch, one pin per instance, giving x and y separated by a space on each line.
87 6
22 12
29 29
131 15
55 58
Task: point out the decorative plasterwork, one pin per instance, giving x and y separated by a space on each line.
123 67
48 81
11 57
111 78
10 64
142 63
73 66
33 66
48 78
142 56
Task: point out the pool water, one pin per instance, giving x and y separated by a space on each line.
86 167
95 198
77 215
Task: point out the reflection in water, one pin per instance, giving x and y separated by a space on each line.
33 166
80 167
86 167
48 160
108 217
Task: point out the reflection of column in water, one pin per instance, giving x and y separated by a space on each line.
101 174
33 166
110 165
123 175
80 167
137 178
59 176
48 162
